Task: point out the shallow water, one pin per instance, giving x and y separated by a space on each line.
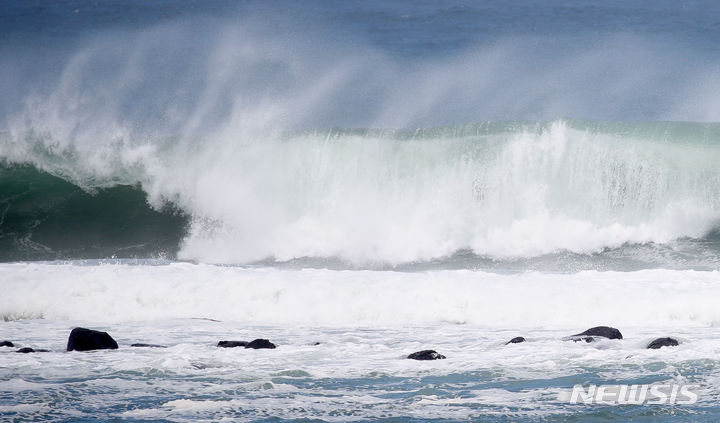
354 374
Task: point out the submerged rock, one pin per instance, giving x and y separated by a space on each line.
26 350
6 344
141 345
260 344
516 340
82 339
662 342
231 344
598 331
426 355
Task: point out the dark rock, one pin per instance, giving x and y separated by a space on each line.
663 342
604 331
26 350
259 344
82 339
141 345
231 344
516 340
598 331
6 344
426 355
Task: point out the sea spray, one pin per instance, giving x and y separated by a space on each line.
499 190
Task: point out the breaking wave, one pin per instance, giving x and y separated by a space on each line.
502 190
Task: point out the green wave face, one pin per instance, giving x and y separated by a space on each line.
44 217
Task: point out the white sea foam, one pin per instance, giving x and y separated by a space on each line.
117 293
352 372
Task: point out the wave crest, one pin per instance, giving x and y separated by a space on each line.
500 190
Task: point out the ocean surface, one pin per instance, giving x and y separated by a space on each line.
357 181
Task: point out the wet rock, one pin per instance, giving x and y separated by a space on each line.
231 344
592 333
26 350
426 355
6 344
141 345
260 344
516 340
82 339
662 342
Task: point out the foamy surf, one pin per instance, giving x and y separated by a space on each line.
341 373
115 293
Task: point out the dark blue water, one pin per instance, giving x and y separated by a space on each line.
411 29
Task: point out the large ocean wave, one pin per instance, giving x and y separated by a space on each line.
217 146
500 190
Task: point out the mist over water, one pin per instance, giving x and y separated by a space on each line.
311 67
